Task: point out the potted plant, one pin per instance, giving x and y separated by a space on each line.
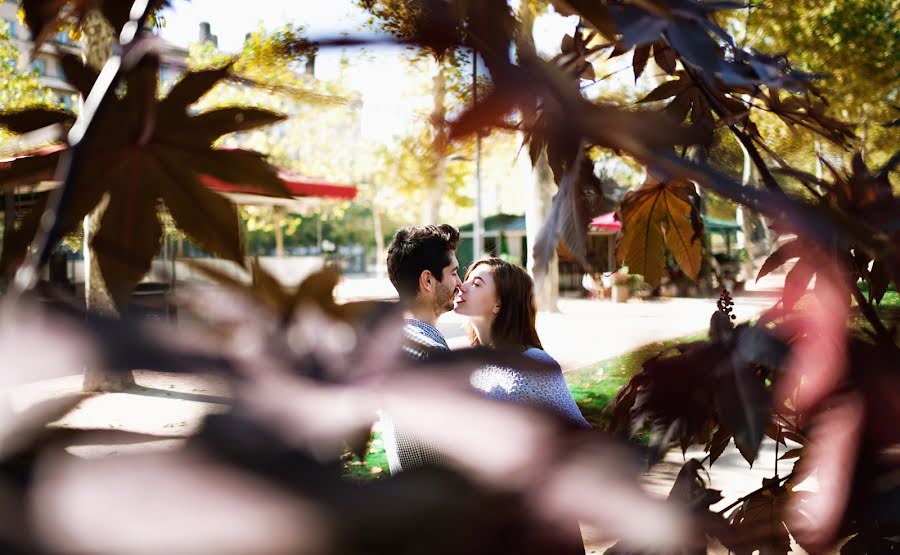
621 286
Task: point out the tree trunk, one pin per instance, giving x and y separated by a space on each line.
751 220
541 187
437 188
380 253
278 224
98 43
540 199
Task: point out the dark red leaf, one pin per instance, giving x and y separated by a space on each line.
745 406
666 90
796 282
664 57
787 251
639 61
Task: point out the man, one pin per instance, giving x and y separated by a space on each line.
422 265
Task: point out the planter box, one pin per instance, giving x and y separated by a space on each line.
621 293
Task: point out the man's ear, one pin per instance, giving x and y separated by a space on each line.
426 281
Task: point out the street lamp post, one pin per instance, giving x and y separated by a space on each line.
477 232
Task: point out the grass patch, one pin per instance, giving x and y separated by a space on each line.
373 467
595 386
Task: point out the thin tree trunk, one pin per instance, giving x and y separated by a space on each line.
541 186
98 43
540 199
380 253
437 189
278 221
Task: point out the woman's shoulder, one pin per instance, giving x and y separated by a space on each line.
540 355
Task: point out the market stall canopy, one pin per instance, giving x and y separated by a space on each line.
300 187
605 222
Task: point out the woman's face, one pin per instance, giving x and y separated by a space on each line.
477 297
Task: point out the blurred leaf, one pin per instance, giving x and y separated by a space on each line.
45 17
787 251
744 404
796 282
31 119
27 170
16 243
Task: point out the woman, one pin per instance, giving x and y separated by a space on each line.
498 299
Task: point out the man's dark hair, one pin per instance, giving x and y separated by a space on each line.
416 249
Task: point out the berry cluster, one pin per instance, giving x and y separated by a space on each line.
725 304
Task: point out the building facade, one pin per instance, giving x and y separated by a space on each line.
47 60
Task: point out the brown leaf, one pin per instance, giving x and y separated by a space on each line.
130 234
77 74
28 170
208 218
667 89
239 167
16 243
208 126
652 217
31 119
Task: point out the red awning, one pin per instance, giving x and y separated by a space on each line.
605 222
297 185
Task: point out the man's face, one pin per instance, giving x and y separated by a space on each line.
448 285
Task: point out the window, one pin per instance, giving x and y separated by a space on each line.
62 37
11 25
40 66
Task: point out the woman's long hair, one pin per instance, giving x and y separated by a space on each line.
514 324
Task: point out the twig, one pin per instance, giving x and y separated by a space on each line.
740 500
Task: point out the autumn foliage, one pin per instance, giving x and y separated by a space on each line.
800 375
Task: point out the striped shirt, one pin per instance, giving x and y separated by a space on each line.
405 451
